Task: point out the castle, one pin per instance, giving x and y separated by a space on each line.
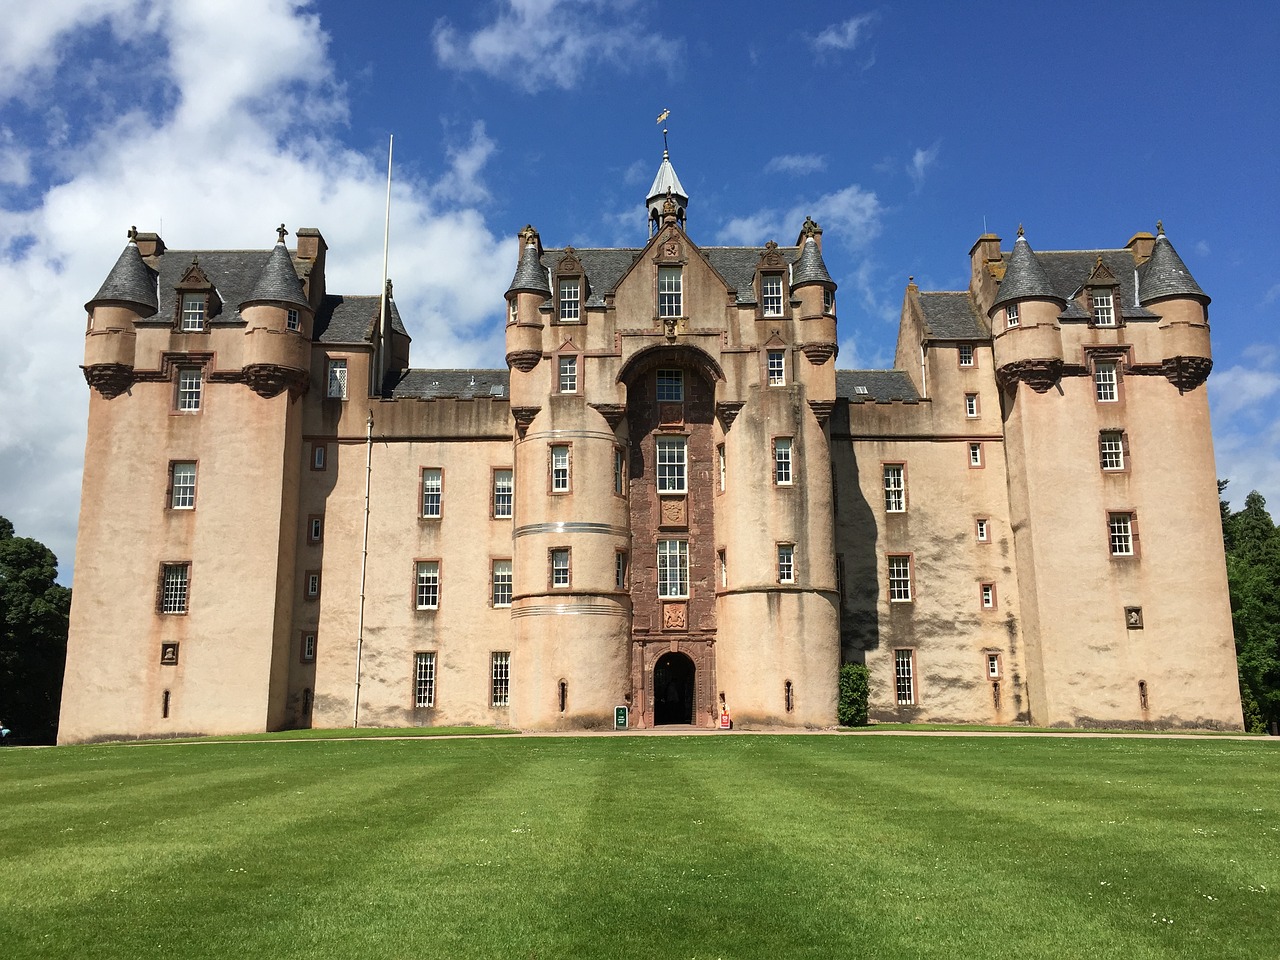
671 499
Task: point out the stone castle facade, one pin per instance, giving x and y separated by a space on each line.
671 499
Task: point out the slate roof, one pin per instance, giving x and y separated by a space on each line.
604 267
881 385
738 266
462 384
351 319
130 281
1024 277
1165 275
278 281
530 276
1069 270
952 316
809 267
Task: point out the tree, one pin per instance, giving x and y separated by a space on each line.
1253 575
34 612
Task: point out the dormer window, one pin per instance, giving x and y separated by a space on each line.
1103 309
1011 315
771 294
193 312
570 300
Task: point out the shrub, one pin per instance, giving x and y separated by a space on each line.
855 689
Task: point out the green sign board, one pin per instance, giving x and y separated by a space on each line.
619 718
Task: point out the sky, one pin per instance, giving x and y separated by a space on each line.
905 130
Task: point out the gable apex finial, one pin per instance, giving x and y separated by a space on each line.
1021 233
1159 228
281 233
133 234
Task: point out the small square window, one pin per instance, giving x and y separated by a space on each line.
670 386
428 584
975 455
500 672
190 387
560 567
193 312
1111 449
782 461
570 305
568 374
777 368
1106 381
503 494
424 680
786 563
308 651
501 577
337 379
1103 309
560 468
432 493
291 320
966 355
1011 315
771 294
971 405
182 485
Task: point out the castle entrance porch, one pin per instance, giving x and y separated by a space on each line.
674 689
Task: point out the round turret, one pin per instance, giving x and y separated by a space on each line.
128 294
1026 337
1166 287
528 291
279 319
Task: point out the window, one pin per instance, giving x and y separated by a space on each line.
1111 449
424 680
432 492
569 301
560 567
786 563
1103 309
620 570
983 527
672 464
315 529
312 580
670 386
318 451
189 388
501 583
904 677
513 311
721 466
966 355
428 593
993 666
1120 526
1011 315
724 569
503 493
1105 381
670 298
568 374
900 578
895 488
560 468
828 301
988 596
500 671
975 454
182 485
337 379
193 309
175 578
840 578
777 368
673 568
782 461
308 651
970 404
619 472
291 320
771 294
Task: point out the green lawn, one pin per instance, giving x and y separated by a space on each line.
648 847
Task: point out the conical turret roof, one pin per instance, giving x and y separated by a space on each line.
665 180
130 281
1024 277
1165 275
809 268
279 281
530 276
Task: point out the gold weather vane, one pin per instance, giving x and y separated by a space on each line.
661 117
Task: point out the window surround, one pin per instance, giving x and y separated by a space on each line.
292 319
972 410
1122 534
987 595
560 568
336 378
669 385
315 528
723 562
670 292
431 490
181 494
671 461
904 676
776 367
828 301
569 299
188 393
319 456
500 678
1102 307
424 679
567 368
428 581
966 356
619 471
773 294
994 666
786 553
1106 381
673 568
194 312
783 461
982 529
620 569
721 469
901 579
1113 451
173 593
977 458
895 486
501 582
307 647
311 585
1011 318
560 468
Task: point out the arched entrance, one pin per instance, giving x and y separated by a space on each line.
673 689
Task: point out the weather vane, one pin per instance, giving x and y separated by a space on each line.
661 117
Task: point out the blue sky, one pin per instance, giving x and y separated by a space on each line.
905 130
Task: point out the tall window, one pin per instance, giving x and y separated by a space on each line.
193 305
1011 315
312 584
620 570
337 379
424 679
777 362
966 355
308 652
975 454
786 563
513 310
291 320
1103 309
970 404
899 578
568 374
175 578
720 466
1111 449
895 488
559 468
988 596
782 461
500 671
619 471
670 294
670 386
432 492
828 301
771 294
503 491
983 528
428 584
672 464
501 592
724 569
673 568
569 300
1120 526
1105 381
182 485
560 567
189 389
904 677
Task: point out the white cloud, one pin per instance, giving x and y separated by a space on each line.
1240 388
920 163
537 44
32 43
852 215
1202 248
844 36
796 163
1247 425
1272 295
234 152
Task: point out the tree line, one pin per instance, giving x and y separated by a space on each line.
1252 541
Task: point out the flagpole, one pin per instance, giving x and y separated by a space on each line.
380 353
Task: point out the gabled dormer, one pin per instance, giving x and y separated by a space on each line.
1100 297
196 300
570 289
772 284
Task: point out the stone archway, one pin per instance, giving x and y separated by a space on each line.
674 690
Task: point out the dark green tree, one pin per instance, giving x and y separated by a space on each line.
1253 574
34 612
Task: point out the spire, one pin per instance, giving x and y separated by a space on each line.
530 276
1024 278
130 280
1165 275
279 281
809 267
665 181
